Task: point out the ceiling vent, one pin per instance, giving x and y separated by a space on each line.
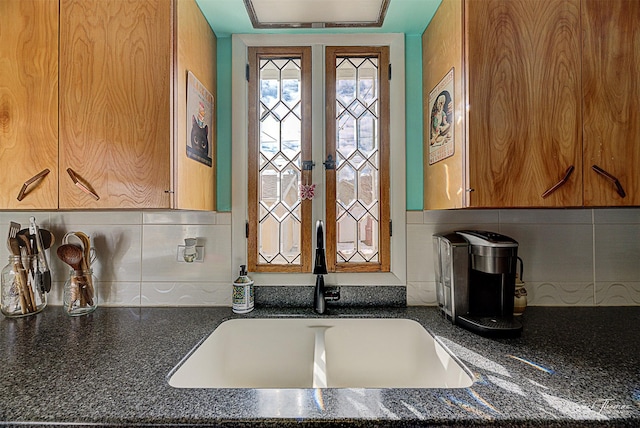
272 14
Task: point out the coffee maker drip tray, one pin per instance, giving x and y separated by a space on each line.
490 326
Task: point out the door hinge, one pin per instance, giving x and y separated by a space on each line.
390 227
246 72
246 230
389 71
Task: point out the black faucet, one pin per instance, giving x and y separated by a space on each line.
322 294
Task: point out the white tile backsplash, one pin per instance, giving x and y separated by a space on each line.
118 250
136 255
554 252
185 294
461 217
179 217
96 218
580 257
618 293
546 216
160 247
421 294
119 293
617 252
560 293
572 257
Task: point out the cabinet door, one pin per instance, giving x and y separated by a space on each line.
115 103
524 102
611 68
28 103
195 186
442 42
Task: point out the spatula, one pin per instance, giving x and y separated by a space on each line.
14 228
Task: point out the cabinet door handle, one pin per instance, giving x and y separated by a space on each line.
81 186
611 178
29 182
559 184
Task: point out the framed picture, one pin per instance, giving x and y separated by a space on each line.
199 121
441 143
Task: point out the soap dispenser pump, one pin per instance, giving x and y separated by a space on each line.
242 293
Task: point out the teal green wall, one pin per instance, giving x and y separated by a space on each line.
223 121
413 81
413 104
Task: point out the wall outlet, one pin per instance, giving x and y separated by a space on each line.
199 254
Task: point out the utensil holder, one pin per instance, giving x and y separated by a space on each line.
80 295
20 293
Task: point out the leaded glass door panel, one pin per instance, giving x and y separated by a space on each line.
279 142
357 200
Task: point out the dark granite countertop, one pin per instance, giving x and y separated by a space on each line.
570 367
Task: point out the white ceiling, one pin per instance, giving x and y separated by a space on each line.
228 17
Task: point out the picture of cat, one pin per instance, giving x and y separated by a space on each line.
199 138
200 144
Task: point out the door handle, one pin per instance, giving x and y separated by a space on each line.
29 182
80 185
560 183
611 178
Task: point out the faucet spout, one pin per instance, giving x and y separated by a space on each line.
322 294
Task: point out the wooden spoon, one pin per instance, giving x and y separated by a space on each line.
86 262
71 255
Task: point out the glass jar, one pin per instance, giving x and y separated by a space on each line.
520 300
80 295
20 294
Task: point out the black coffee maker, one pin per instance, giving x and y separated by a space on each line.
475 280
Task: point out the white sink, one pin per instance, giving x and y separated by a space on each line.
320 353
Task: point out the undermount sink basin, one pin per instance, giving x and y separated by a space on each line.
320 353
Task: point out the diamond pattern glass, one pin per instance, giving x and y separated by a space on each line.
280 130
357 154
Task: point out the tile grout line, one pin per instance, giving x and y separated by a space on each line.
593 255
141 259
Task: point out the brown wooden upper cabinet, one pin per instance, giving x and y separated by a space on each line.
28 104
122 109
611 108
523 97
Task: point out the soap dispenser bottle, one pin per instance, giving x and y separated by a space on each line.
242 293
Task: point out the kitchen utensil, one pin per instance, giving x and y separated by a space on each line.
26 252
19 296
30 278
42 273
87 259
73 256
48 238
14 228
86 246
25 242
73 239
78 297
26 303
